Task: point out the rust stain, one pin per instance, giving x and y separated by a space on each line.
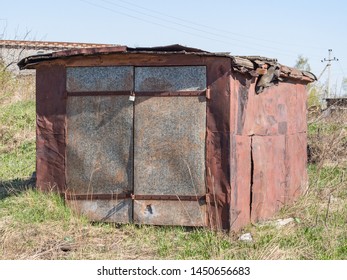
155 84
119 176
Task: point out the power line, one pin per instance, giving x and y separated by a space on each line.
210 27
180 30
145 20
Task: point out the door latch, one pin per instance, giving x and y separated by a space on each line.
132 96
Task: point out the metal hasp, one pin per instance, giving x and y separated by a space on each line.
170 135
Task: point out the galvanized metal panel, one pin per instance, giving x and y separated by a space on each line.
269 176
88 79
99 144
155 212
170 150
117 211
174 78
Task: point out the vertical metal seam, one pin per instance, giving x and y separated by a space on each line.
252 180
65 130
133 155
207 222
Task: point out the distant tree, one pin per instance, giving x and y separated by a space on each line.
302 63
313 89
344 86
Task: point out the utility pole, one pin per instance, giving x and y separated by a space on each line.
329 60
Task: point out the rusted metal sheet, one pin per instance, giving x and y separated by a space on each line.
181 78
50 128
279 110
269 176
92 79
296 166
240 203
99 144
50 161
155 212
297 108
219 125
170 147
116 211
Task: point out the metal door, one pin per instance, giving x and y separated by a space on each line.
141 161
99 157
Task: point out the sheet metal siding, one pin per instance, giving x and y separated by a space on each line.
181 78
50 128
218 126
269 176
279 110
241 177
275 123
99 144
89 79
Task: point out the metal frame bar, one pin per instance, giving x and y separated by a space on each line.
70 196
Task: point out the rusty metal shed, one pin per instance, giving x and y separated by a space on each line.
170 135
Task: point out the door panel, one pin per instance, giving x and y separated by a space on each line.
100 150
169 151
182 78
93 79
161 212
115 211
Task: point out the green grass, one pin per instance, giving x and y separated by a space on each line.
16 118
17 139
19 162
31 207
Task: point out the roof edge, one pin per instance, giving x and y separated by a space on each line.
253 65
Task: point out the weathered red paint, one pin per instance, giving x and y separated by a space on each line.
240 202
268 186
50 127
218 142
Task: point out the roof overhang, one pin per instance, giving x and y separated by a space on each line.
253 65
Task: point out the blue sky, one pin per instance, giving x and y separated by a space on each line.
276 29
